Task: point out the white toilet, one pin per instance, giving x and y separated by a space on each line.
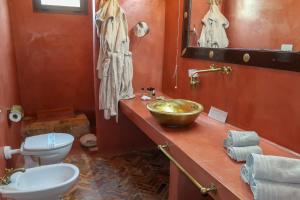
43 149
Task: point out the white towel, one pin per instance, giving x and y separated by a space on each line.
272 177
268 190
274 168
241 153
114 65
245 173
241 139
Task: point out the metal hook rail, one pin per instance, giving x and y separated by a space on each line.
203 190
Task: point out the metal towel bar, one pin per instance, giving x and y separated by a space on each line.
203 190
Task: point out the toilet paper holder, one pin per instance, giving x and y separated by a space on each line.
17 113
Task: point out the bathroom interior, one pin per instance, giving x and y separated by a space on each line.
149 99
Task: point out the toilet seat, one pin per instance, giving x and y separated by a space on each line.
43 144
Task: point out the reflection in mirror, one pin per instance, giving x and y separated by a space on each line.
253 24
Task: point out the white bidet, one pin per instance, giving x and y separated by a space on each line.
47 182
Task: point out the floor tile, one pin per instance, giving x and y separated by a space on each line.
134 176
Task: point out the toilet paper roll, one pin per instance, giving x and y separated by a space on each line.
16 113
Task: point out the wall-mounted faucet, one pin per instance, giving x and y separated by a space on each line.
213 68
5 180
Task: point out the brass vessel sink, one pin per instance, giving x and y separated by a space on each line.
175 112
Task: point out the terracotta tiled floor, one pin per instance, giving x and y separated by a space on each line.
134 176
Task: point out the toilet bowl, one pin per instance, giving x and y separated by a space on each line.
46 149
43 149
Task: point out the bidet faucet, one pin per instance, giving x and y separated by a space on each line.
5 180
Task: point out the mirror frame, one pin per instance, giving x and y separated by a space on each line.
273 59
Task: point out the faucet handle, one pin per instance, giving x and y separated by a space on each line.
213 66
227 70
8 171
5 180
194 81
12 171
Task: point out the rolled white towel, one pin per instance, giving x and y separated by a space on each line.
241 139
273 168
268 190
241 153
245 174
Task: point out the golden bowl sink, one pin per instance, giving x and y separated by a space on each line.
175 112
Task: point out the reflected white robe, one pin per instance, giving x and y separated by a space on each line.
213 34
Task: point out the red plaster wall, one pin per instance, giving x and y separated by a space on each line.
257 99
148 67
263 24
9 135
255 24
54 58
147 51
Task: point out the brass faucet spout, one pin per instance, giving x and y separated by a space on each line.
225 69
5 180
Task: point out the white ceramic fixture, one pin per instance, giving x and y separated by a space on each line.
47 182
43 149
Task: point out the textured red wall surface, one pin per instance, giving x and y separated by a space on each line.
148 67
54 58
147 51
263 100
263 24
256 24
9 135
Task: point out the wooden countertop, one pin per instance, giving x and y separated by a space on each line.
199 149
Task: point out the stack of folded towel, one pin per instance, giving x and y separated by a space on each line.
272 177
240 144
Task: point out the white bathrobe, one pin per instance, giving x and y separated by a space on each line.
213 34
115 60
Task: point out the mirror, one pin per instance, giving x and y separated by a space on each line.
257 33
